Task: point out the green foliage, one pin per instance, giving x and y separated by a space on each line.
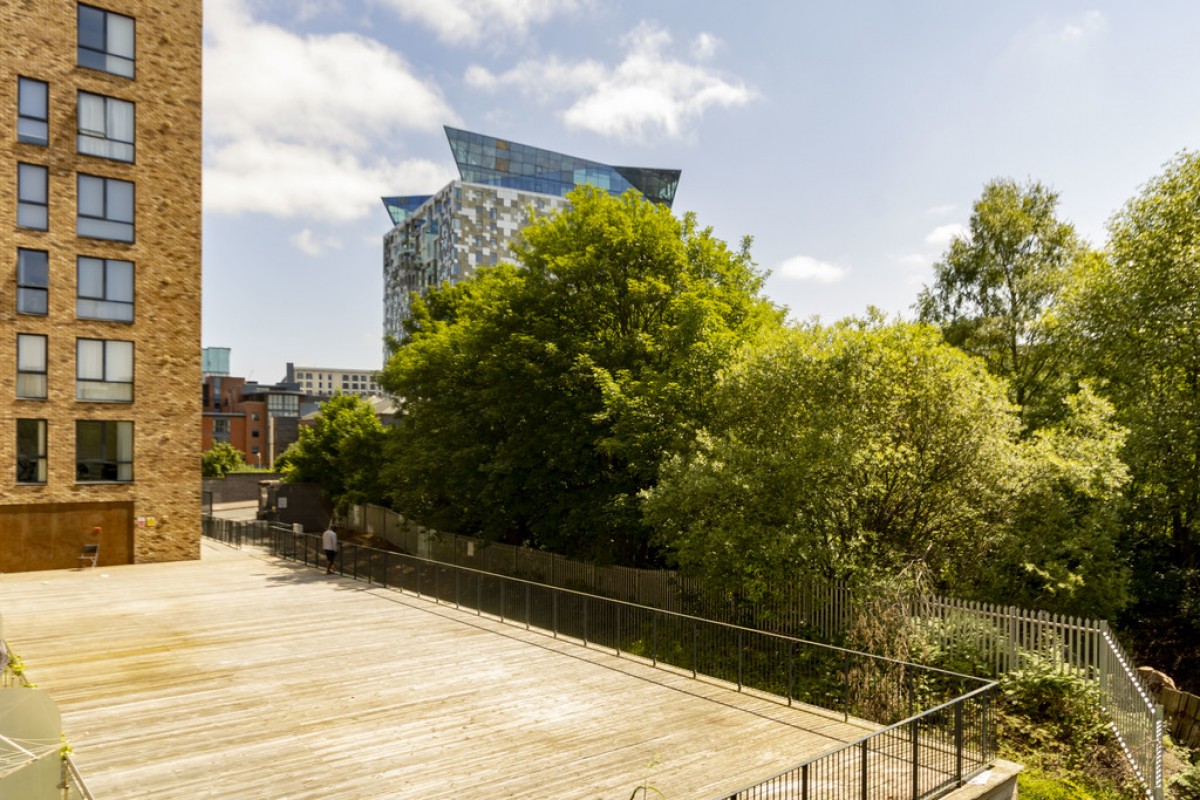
1186 784
854 451
540 401
1037 785
1063 551
1135 318
995 286
222 459
341 451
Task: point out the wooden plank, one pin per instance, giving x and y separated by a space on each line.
243 676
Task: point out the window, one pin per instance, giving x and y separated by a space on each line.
254 433
103 451
105 208
33 111
31 366
220 430
105 41
104 370
104 289
254 416
32 197
33 281
31 451
105 127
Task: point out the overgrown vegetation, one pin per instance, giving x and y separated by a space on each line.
629 395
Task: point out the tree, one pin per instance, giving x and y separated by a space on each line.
995 286
342 451
869 450
846 452
538 401
222 459
1135 315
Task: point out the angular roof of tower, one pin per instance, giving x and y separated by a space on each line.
499 162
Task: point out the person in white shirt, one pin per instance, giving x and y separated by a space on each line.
329 545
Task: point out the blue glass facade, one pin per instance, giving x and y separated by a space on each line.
499 162
399 208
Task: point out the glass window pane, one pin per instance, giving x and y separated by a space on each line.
31 353
89 356
120 201
120 36
120 120
91 28
91 196
91 113
33 268
31 183
32 98
119 362
120 281
91 277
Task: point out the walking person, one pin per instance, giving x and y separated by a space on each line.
330 545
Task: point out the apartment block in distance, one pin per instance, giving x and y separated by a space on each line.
470 222
325 382
100 108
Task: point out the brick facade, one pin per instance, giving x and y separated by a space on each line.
52 519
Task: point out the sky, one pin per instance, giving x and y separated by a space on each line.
849 139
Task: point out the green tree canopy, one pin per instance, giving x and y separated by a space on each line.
342 451
995 286
222 459
867 450
539 401
1135 314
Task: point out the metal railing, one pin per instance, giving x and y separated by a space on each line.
937 723
1005 638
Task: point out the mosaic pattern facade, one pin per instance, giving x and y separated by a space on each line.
471 222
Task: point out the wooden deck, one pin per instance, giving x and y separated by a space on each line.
241 676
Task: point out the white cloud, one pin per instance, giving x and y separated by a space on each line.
291 180
804 268
474 21
942 210
942 235
309 243
1085 26
705 46
650 94
292 123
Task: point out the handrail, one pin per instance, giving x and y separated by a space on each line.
71 773
883 688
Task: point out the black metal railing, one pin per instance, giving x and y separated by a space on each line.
936 724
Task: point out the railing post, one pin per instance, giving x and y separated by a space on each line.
457 587
916 758
585 620
554 612
846 687
695 646
791 649
528 607
617 647
741 649
864 776
804 782
654 638
958 742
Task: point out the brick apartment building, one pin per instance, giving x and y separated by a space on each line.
100 306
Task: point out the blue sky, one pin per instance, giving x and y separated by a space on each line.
849 139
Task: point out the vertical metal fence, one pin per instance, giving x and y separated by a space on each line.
936 730
1004 638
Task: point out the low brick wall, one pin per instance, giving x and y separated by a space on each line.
237 487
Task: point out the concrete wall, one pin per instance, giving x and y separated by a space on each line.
238 487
